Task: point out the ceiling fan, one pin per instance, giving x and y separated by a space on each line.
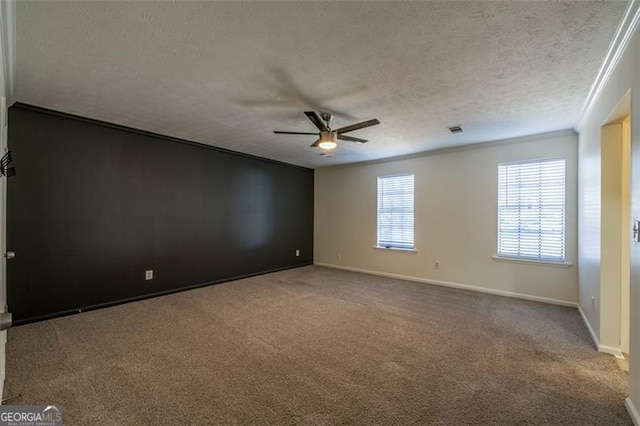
327 137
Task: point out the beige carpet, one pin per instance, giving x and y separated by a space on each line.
318 346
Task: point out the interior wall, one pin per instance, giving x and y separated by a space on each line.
611 233
623 78
625 264
7 64
455 219
93 206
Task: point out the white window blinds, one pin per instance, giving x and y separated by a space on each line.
395 211
531 210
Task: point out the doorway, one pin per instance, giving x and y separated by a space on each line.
625 260
616 230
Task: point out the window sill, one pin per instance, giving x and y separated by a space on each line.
564 264
395 249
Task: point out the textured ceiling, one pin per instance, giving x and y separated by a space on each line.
229 73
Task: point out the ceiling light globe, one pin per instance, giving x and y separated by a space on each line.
327 144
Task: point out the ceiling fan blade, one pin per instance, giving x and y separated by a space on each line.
293 133
358 126
315 118
352 139
316 143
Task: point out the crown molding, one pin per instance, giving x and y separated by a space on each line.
458 148
40 110
616 49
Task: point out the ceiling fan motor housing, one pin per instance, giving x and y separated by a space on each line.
328 135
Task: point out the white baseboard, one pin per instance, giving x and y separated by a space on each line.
2 377
3 362
611 350
454 285
633 413
588 324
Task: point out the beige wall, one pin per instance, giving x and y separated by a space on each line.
611 203
624 77
600 219
625 264
455 219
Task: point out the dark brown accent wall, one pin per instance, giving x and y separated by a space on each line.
94 205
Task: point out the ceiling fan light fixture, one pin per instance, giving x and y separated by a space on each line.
327 145
327 140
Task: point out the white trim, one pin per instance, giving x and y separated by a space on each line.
616 49
633 413
453 285
616 352
3 361
611 350
533 161
461 148
564 264
588 324
395 249
8 64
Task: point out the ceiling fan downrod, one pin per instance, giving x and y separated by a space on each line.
328 118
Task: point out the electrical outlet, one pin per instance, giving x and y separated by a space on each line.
437 264
297 253
338 256
148 274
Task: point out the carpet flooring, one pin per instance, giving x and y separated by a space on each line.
318 346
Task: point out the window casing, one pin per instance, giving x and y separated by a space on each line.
532 210
396 212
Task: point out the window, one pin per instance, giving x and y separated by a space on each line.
395 211
531 210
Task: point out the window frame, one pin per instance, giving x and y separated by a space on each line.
398 245
549 260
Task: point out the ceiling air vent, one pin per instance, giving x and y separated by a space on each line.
456 129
